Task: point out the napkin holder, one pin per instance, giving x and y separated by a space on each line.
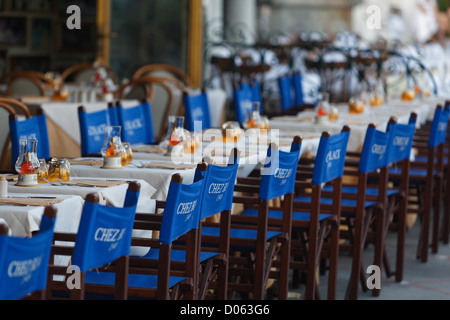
27 180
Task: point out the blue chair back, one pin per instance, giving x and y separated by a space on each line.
402 138
291 90
375 151
104 234
92 128
182 209
298 88
137 124
279 173
32 128
219 189
330 158
196 109
439 126
255 88
243 98
285 87
24 262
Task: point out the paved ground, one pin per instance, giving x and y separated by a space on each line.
422 281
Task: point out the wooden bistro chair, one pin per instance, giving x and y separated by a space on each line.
369 207
399 161
217 204
100 252
173 258
256 247
26 283
426 181
212 258
316 222
15 109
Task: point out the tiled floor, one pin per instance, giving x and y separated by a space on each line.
422 281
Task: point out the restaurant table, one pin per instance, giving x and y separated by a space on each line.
110 192
304 122
156 168
23 220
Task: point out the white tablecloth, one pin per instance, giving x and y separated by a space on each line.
24 220
159 179
304 124
113 196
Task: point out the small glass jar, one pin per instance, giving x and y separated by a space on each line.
42 171
127 154
59 169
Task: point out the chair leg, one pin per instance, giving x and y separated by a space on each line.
446 218
333 260
436 215
353 285
379 244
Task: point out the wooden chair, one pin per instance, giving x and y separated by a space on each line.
426 180
369 205
255 247
398 193
83 72
163 70
316 223
174 258
14 108
29 283
103 240
163 95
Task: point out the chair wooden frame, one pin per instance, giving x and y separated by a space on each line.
84 66
165 267
260 254
176 72
11 105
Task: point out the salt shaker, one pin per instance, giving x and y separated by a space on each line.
3 187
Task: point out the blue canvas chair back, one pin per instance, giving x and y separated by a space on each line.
401 140
330 157
182 209
137 124
24 262
298 88
104 234
255 88
279 173
375 151
286 96
243 97
439 126
197 110
92 128
32 128
219 188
